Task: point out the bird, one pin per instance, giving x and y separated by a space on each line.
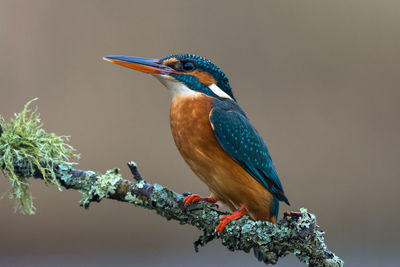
215 137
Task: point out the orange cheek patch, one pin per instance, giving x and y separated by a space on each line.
204 77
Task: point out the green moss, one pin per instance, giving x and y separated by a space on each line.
25 148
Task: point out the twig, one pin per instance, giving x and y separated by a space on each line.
135 171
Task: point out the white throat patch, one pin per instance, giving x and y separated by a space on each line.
175 87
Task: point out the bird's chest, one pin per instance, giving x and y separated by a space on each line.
192 132
227 180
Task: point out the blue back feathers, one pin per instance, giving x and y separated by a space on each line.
205 65
244 144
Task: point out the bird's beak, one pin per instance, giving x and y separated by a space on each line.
146 65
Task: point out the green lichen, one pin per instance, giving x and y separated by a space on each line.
26 148
158 187
102 186
133 199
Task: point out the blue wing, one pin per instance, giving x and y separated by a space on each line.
244 144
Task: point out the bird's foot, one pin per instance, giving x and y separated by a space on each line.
229 218
196 198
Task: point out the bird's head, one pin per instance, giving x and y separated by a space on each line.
182 74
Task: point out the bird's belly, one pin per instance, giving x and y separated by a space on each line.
227 180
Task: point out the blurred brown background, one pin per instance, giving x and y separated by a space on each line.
319 79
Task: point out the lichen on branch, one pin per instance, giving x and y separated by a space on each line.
26 150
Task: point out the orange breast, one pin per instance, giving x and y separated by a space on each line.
227 180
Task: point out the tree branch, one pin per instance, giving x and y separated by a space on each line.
296 233
24 153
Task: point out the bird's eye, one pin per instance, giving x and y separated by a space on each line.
188 66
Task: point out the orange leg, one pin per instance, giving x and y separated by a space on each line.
196 198
229 218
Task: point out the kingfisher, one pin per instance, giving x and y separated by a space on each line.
215 137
